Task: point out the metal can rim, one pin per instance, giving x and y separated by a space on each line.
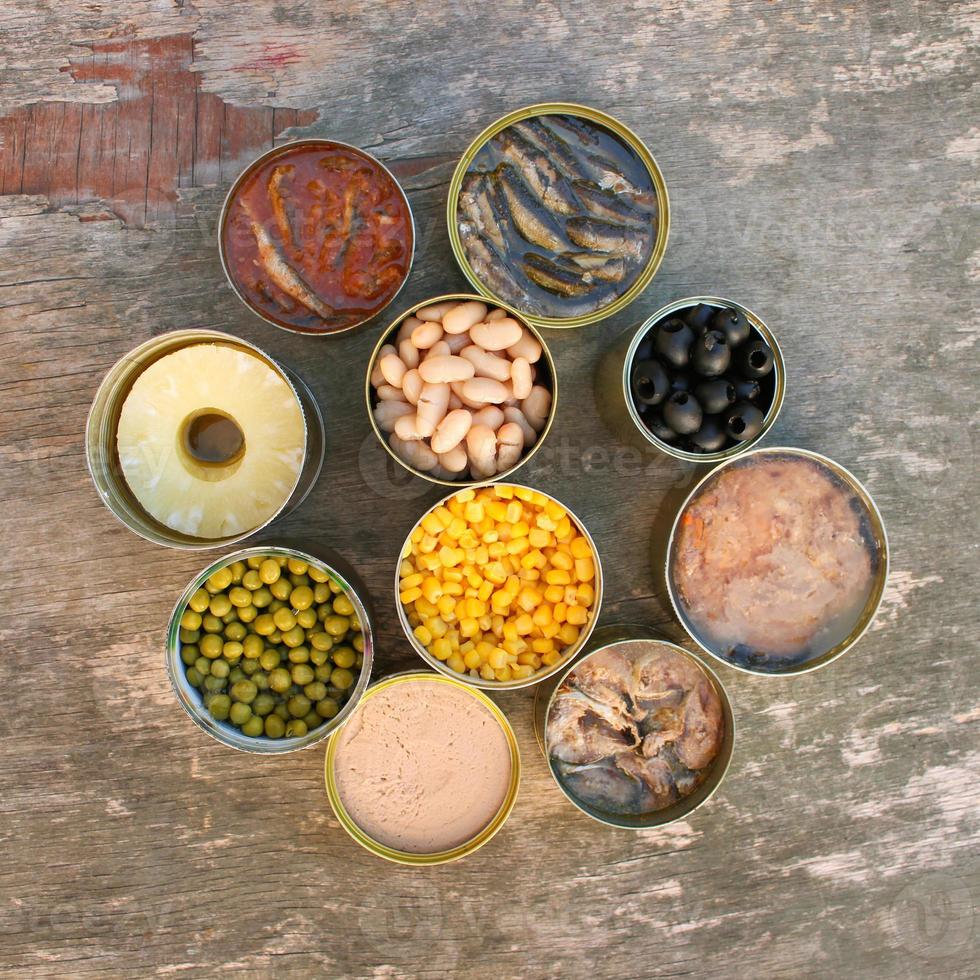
617 128
543 674
461 850
546 353
194 336
257 162
881 577
218 731
779 369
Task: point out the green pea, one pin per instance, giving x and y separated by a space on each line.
236 631
220 605
296 728
301 597
294 637
261 598
255 561
248 614
275 606
280 680
244 691
342 606
253 646
307 618
261 680
336 625
298 705
250 666
317 574
359 663
323 672
315 691
236 675
232 650
280 711
327 708
335 587
230 617
269 571
284 619
358 643
312 719
263 704
275 727
297 566
274 638
190 620
220 668
199 601
318 657
299 655
189 654
251 580
344 657
281 589
219 706
211 646
321 592
270 659
302 674
211 624
220 580
237 569
194 677
203 666
214 684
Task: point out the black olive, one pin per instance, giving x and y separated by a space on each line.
710 354
711 436
746 389
681 381
683 413
644 349
698 318
673 342
755 359
654 420
733 325
649 382
715 395
743 421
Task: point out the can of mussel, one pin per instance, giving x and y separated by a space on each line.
185 653
614 393
665 715
510 756
101 437
829 523
277 223
547 376
571 214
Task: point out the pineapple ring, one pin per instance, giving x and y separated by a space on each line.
208 499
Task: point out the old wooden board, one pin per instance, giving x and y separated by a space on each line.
822 165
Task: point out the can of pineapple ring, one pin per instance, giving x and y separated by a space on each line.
102 456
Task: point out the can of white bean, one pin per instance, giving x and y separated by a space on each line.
460 391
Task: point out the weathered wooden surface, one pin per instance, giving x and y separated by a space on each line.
822 164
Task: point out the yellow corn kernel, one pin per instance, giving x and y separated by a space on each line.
489 537
530 658
423 635
562 559
512 585
442 649
504 491
504 674
416 535
428 544
550 630
486 672
510 630
557 576
496 550
584 569
542 645
518 546
581 548
468 626
523 493
497 510
468 539
586 594
406 567
550 659
486 622
514 512
578 615
497 658
515 648
561 612
485 590
431 524
452 575
436 626
452 588
456 662
465 496
474 608
570 598
409 596
425 608
449 557
444 516
529 599
500 601
520 672
472 660
524 625
429 563
431 588
564 529
497 624
554 593
456 528
446 605
538 537
464 648
544 522
495 573
542 615
474 512
554 510
520 529
568 634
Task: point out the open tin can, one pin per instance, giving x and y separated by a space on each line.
542 673
339 573
283 151
614 396
624 637
621 133
548 376
467 847
102 455
871 532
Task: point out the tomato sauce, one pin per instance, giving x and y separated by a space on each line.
318 237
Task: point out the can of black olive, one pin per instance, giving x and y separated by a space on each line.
614 396
633 641
595 182
102 454
340 579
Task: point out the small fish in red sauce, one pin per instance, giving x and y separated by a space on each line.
318 237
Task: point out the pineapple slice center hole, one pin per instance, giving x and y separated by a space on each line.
212 437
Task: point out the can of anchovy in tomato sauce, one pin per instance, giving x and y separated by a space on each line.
102 454
450 806
822 518
610 648
617 406
598 133
341 579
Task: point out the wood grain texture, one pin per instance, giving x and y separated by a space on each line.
822 164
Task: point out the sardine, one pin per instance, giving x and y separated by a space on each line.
551 144
281 272
586 132
491 270
534 222
477 203
555 278
607 236
601 266
607 204
539 172
279 204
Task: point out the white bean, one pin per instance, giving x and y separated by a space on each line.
497 314
451 431
409 354
497 335
481 447
510 446
455 461
432 406
485 390
406 428
487 365
435 312
408 325
460 318
439 349
412 386
386 414
457 389
377 378
426 334
416 454
520 376
389 393
527 347
513 414
536 407
490 416
393 368
448 367
456 341
454 401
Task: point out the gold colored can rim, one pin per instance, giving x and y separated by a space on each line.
881 577
617 128
439 857
392 328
